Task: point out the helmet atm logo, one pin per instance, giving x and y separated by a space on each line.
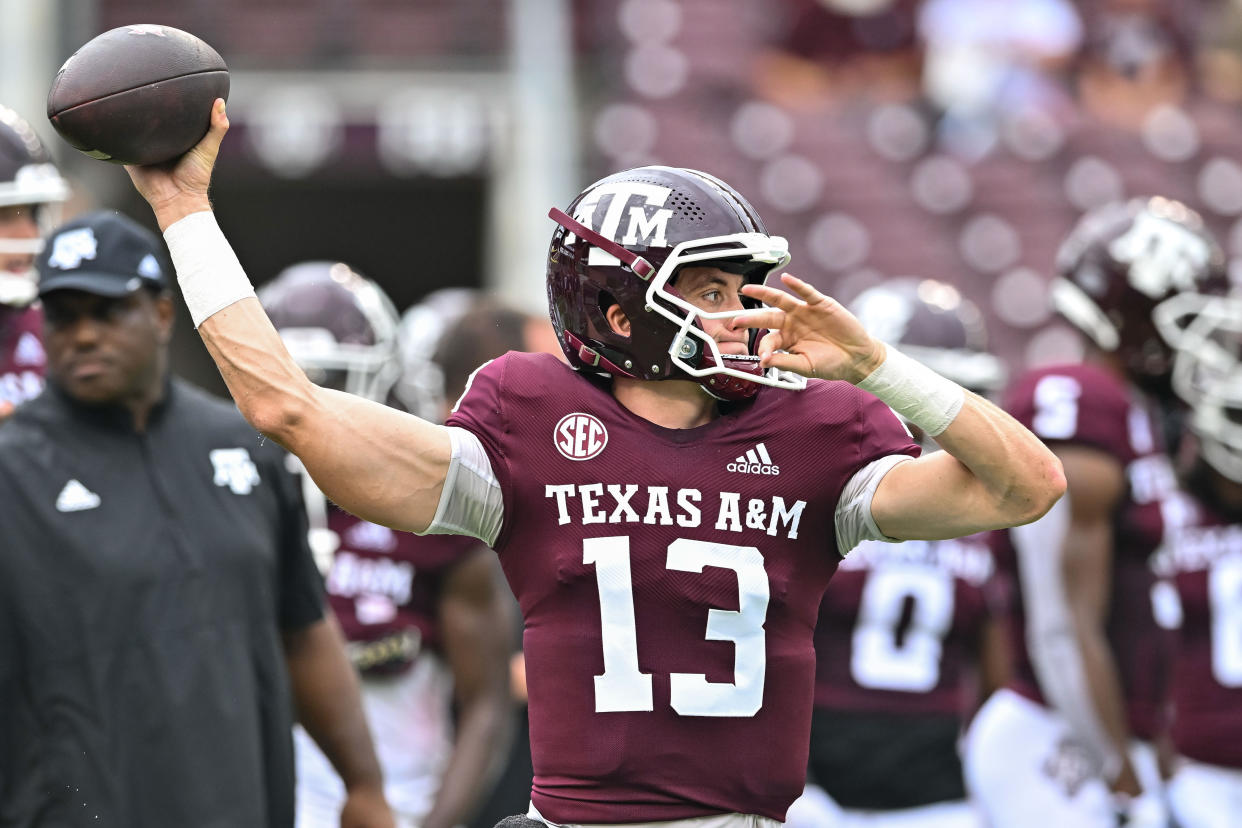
580 436
647 230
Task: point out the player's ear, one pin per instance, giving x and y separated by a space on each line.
617 320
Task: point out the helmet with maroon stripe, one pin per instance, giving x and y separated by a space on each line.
622 241
1119 262
932 322
28 178
339 326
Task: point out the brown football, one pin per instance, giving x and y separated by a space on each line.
138 94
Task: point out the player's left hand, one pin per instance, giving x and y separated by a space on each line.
366 808
810 334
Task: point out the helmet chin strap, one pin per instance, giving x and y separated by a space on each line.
727 386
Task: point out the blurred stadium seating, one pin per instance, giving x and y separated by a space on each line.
954 139
951 138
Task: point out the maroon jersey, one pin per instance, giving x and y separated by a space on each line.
22 361
1202 560
384 587
1085 405
670 582
900 624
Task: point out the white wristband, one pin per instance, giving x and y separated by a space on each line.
915 391
210 276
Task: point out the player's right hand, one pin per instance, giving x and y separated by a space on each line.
178 188
810 334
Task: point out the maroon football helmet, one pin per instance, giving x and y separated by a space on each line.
622 241
27 177
1119 262
339 326
933 323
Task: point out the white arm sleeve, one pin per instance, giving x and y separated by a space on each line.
854 522
470 502
1050 635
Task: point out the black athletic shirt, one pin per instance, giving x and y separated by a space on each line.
145 579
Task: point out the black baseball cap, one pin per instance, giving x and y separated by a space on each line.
103 253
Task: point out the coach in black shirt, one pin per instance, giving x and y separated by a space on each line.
160 615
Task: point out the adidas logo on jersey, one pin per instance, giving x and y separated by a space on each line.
755 461
76 498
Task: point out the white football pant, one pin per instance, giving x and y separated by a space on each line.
1206 796
411 725
1025 769
816 809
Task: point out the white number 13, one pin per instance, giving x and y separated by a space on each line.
624 687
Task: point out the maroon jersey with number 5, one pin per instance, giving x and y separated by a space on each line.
670 582
22 360
1086 406
1202 561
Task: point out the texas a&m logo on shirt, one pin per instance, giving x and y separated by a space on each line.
234 468
580 436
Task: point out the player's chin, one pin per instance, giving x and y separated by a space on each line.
733 348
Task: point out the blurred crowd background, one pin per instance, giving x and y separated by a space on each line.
951 139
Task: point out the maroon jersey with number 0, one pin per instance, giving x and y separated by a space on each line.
1202 561
900 627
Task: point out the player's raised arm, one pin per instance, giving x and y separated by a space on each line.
993 473
342 439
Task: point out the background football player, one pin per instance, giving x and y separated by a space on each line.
473 329
1199 594
426 617
1067 743
909 639
31 191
